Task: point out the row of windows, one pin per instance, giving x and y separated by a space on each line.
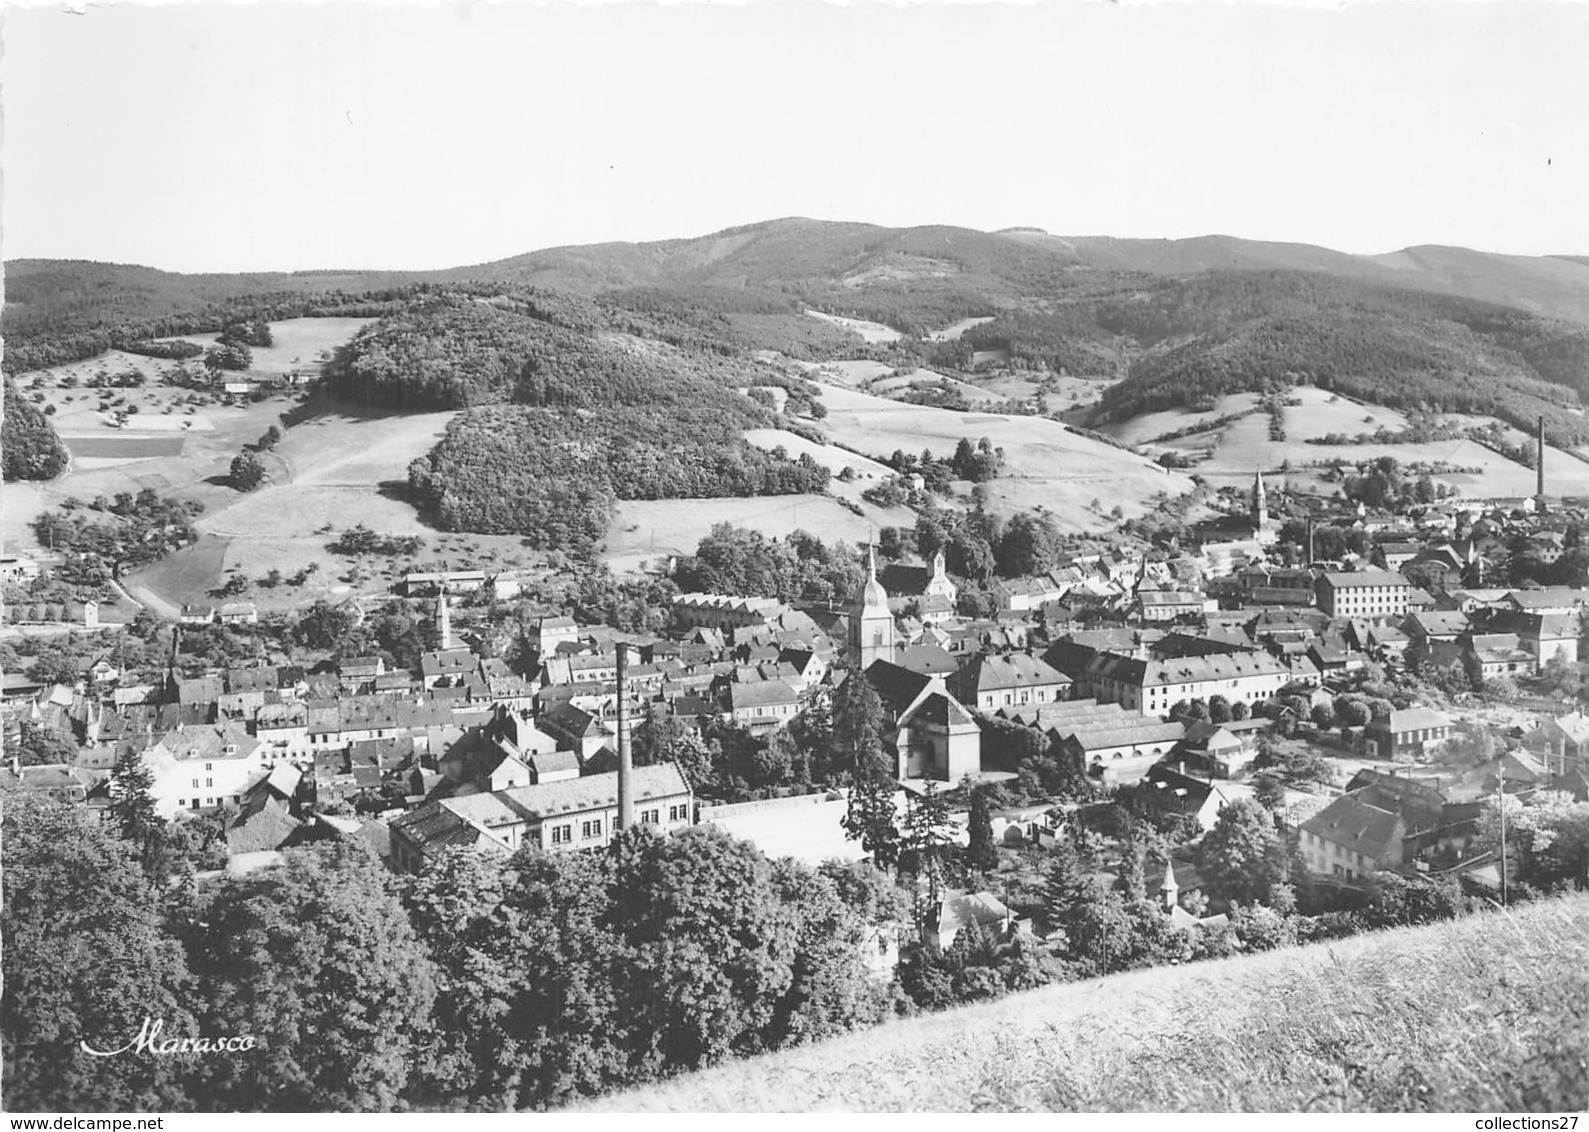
594 827
194 803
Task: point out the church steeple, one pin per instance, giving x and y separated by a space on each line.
1260 506
871 621
444 619
1169 891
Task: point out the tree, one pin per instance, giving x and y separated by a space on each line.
655 737
1064 886
870 818
85 960
132 813
1323 716
840 912
924 843
858 727
1240 856
271 438
1269 792
42 746
982 854
247 473
712 946
29 446
1218 709
1352 712
318 961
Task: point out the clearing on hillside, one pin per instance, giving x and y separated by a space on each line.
952 333
871 332
1046 464
891 386
297 344
1482 1014
648 529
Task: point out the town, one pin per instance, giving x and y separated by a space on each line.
1373 714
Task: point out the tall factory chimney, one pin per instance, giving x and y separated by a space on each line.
1539 459
1309 562
625 762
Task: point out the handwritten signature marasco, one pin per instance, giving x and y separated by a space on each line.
148 1040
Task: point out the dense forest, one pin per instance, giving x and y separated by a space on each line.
554 474
29 445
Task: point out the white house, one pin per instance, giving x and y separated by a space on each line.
203 768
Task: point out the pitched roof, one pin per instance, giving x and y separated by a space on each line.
1409 719
1357 826
763 693
1340 580
995 673
963 908
896 686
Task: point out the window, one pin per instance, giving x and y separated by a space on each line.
195 782
677 813
651 816
562 834
209 782
209 766
590 829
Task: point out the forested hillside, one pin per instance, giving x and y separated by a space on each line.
597 415
57 313
554 474
670 329
1231 332
29 445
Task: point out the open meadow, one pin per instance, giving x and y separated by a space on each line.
338 467
871 332
1046 464
892 386
297 344
648 530
1232 452
1481 1014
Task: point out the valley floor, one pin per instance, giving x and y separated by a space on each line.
1487 1014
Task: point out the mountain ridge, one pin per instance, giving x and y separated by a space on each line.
795 248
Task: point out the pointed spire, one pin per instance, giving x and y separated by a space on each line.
871 563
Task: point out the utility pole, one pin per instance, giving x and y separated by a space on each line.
1500 790
625 769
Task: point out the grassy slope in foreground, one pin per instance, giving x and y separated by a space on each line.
1488 1014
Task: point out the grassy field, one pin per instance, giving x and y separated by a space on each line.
891 386
1237 449
952 333
296 343
1046 464
651 529
1147 426
339 467
869 331
1484 1014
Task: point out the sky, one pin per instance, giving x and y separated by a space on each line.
286 135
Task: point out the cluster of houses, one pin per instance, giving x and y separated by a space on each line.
465 751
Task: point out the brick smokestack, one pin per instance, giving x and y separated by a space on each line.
625 762
1539 453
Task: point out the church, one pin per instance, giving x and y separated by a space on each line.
1234 539
932 734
